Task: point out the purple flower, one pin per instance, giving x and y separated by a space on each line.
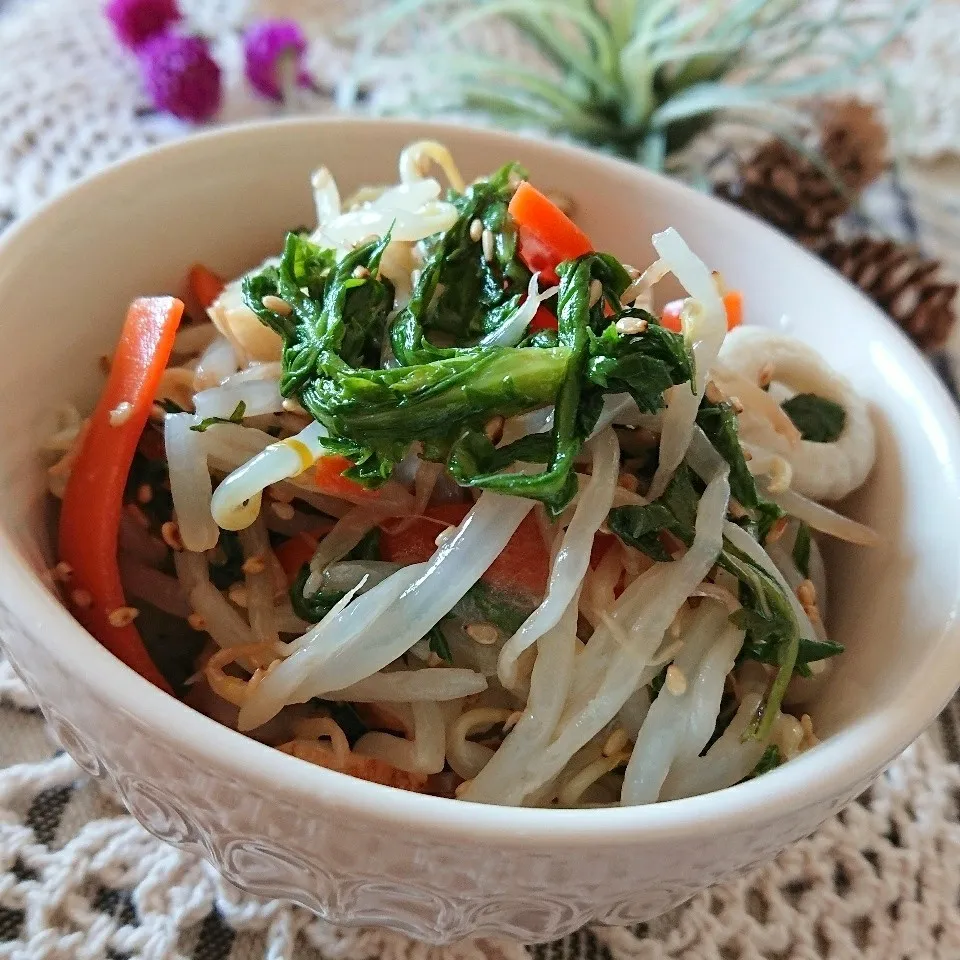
181 77
266 47
136 21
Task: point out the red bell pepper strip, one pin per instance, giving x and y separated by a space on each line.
329 479
205 285
296 551
523 565
543 319
546 235
90 518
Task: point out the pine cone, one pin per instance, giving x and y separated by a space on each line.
902 281
784 188
854 142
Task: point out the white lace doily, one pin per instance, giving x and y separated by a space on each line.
80 880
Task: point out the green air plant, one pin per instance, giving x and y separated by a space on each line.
638 78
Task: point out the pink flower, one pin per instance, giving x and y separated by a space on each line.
136 21
268 47
181 77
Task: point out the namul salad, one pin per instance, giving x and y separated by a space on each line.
436 497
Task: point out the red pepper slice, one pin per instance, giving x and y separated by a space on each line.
90 518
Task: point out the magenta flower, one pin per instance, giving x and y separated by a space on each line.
181 77
136 21
270 47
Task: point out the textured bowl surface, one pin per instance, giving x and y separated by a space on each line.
361 853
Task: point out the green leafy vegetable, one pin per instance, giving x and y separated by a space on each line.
236 417
442 396
345 716
643 365
772 631
315 607
639 526
459 291
801 549
675 511
437 643
719 422
368 548
818 419
771 759
484 604
226 565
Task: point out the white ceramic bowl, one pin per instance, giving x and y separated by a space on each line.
356 852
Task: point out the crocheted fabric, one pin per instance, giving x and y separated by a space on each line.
80 880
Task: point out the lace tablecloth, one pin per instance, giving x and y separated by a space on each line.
80 880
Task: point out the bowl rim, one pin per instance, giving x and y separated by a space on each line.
833 770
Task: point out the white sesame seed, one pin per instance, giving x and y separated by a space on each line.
238 595
780 475
81 598
486 241
144 493
254 565
737 404
476 230
277 305
765 377
631 325
596 291
197 622
122 616
360 272
632 272
282 510
807 593
293 406
62 571
121 413
170 531
615 742
443 536
485 634
676 682
462 788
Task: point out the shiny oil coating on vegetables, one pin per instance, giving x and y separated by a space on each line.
438 499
